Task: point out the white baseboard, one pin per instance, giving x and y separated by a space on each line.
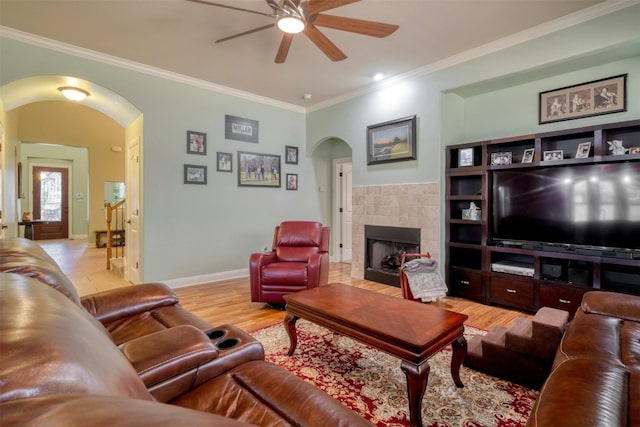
206 278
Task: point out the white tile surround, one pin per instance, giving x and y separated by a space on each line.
401 205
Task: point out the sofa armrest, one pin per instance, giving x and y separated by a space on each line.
612 304
318 269
256 262
165 354
114 304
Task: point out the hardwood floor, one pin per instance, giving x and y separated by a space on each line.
229 301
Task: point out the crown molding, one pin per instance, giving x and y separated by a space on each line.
93 55
584 15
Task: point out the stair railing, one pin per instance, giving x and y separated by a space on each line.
119 223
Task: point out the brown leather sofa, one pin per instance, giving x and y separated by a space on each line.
111 358
595 378
299 260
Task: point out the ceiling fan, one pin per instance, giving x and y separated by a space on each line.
295 16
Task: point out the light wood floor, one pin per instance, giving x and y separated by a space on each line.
229 301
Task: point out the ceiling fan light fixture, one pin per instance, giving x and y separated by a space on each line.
291 24
73 93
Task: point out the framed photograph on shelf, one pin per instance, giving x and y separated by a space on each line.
502 158
196 143
393 141
258 170
602 96
224 162
527 156
292 181
240 129
583 150
291 155
195 174
553 155
465 157
634 150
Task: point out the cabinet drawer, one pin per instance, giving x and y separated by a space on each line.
512 291
467 284
562 298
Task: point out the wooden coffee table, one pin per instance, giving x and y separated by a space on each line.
411 331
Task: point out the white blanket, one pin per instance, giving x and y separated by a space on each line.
424 279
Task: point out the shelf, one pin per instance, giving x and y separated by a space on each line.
561 274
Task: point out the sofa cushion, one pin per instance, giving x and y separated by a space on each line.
52 346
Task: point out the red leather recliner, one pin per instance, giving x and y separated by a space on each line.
299 260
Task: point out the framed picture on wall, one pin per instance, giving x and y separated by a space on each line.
258 170
196 143
195 174
602 96
291 155
224 162
292 181
393 141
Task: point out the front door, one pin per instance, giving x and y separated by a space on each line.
51 202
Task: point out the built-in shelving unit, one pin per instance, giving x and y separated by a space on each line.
554 277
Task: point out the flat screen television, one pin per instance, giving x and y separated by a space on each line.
595 206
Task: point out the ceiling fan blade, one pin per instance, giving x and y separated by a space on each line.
324 44
270 15
283 50
317 6
255 30
360 26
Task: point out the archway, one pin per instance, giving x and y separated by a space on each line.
33 97
332 159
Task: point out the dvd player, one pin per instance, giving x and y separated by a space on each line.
513 267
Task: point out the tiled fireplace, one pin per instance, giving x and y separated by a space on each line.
403 205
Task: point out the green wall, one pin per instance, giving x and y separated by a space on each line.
192 230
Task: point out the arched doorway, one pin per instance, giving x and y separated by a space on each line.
39 100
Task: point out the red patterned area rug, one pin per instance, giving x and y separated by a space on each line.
372 384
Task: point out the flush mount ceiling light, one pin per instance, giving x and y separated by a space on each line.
378 76
73 93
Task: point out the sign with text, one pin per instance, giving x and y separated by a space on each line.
240 129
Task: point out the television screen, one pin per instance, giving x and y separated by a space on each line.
596 205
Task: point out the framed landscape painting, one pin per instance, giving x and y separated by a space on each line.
393 141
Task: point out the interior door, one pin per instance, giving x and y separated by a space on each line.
132 253
51 202
346 222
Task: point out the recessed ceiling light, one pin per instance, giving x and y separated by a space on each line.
306 96
378 76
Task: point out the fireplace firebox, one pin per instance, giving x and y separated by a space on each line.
384 247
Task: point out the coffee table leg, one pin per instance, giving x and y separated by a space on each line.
290 326
459 347
417 376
